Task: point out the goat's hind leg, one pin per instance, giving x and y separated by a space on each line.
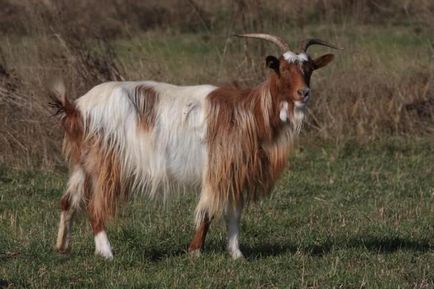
65 225
97 222
69 203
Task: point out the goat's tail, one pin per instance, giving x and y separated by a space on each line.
71 119
60 103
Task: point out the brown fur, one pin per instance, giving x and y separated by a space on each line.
104 183
65 203
290 81
65 220
247 143
198 241
108 185
73 124
145 100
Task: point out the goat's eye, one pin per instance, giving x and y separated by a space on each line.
307 68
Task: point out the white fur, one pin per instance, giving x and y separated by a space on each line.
102 245
75 193
64 232
172 155
233 217
284 113
297 120
291 57
76 187
299 104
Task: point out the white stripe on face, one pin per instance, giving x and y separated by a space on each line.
291 57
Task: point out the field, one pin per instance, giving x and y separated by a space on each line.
380 85
357 217
355 208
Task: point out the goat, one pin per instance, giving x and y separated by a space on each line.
227 144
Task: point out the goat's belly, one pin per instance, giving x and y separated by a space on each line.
184 157
167 160
179 135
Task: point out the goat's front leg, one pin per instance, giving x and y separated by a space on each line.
233 218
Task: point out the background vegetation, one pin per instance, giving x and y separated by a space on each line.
355 209
381 85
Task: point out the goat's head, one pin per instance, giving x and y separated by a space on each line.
293 71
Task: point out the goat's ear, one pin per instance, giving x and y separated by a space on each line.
273 63
322 61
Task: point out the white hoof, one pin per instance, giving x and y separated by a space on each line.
236 254
102 246
106 254
195 253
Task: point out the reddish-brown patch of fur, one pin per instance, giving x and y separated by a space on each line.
246 143
97 222
65 203
72 122
198 241
284 86
145 100
290 81
278 156
108 184
104 183
66 216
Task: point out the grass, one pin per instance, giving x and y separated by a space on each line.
349 217
344 216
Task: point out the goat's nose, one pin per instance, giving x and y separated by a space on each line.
304 92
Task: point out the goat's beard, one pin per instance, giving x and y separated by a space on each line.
297 119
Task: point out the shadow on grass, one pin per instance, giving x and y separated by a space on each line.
374 244
156 255
390 245
5 283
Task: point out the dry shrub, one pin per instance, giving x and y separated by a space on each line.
365 105
114 18
30 135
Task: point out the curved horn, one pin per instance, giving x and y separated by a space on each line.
311 41
276 40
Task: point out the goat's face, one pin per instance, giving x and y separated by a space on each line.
293 72
290 84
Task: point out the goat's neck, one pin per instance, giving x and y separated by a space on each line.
264 101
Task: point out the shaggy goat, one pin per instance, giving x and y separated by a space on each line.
225 143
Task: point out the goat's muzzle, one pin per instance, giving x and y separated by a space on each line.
304 93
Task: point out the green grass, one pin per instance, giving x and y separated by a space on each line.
353 217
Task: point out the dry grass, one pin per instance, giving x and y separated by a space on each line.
381 85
